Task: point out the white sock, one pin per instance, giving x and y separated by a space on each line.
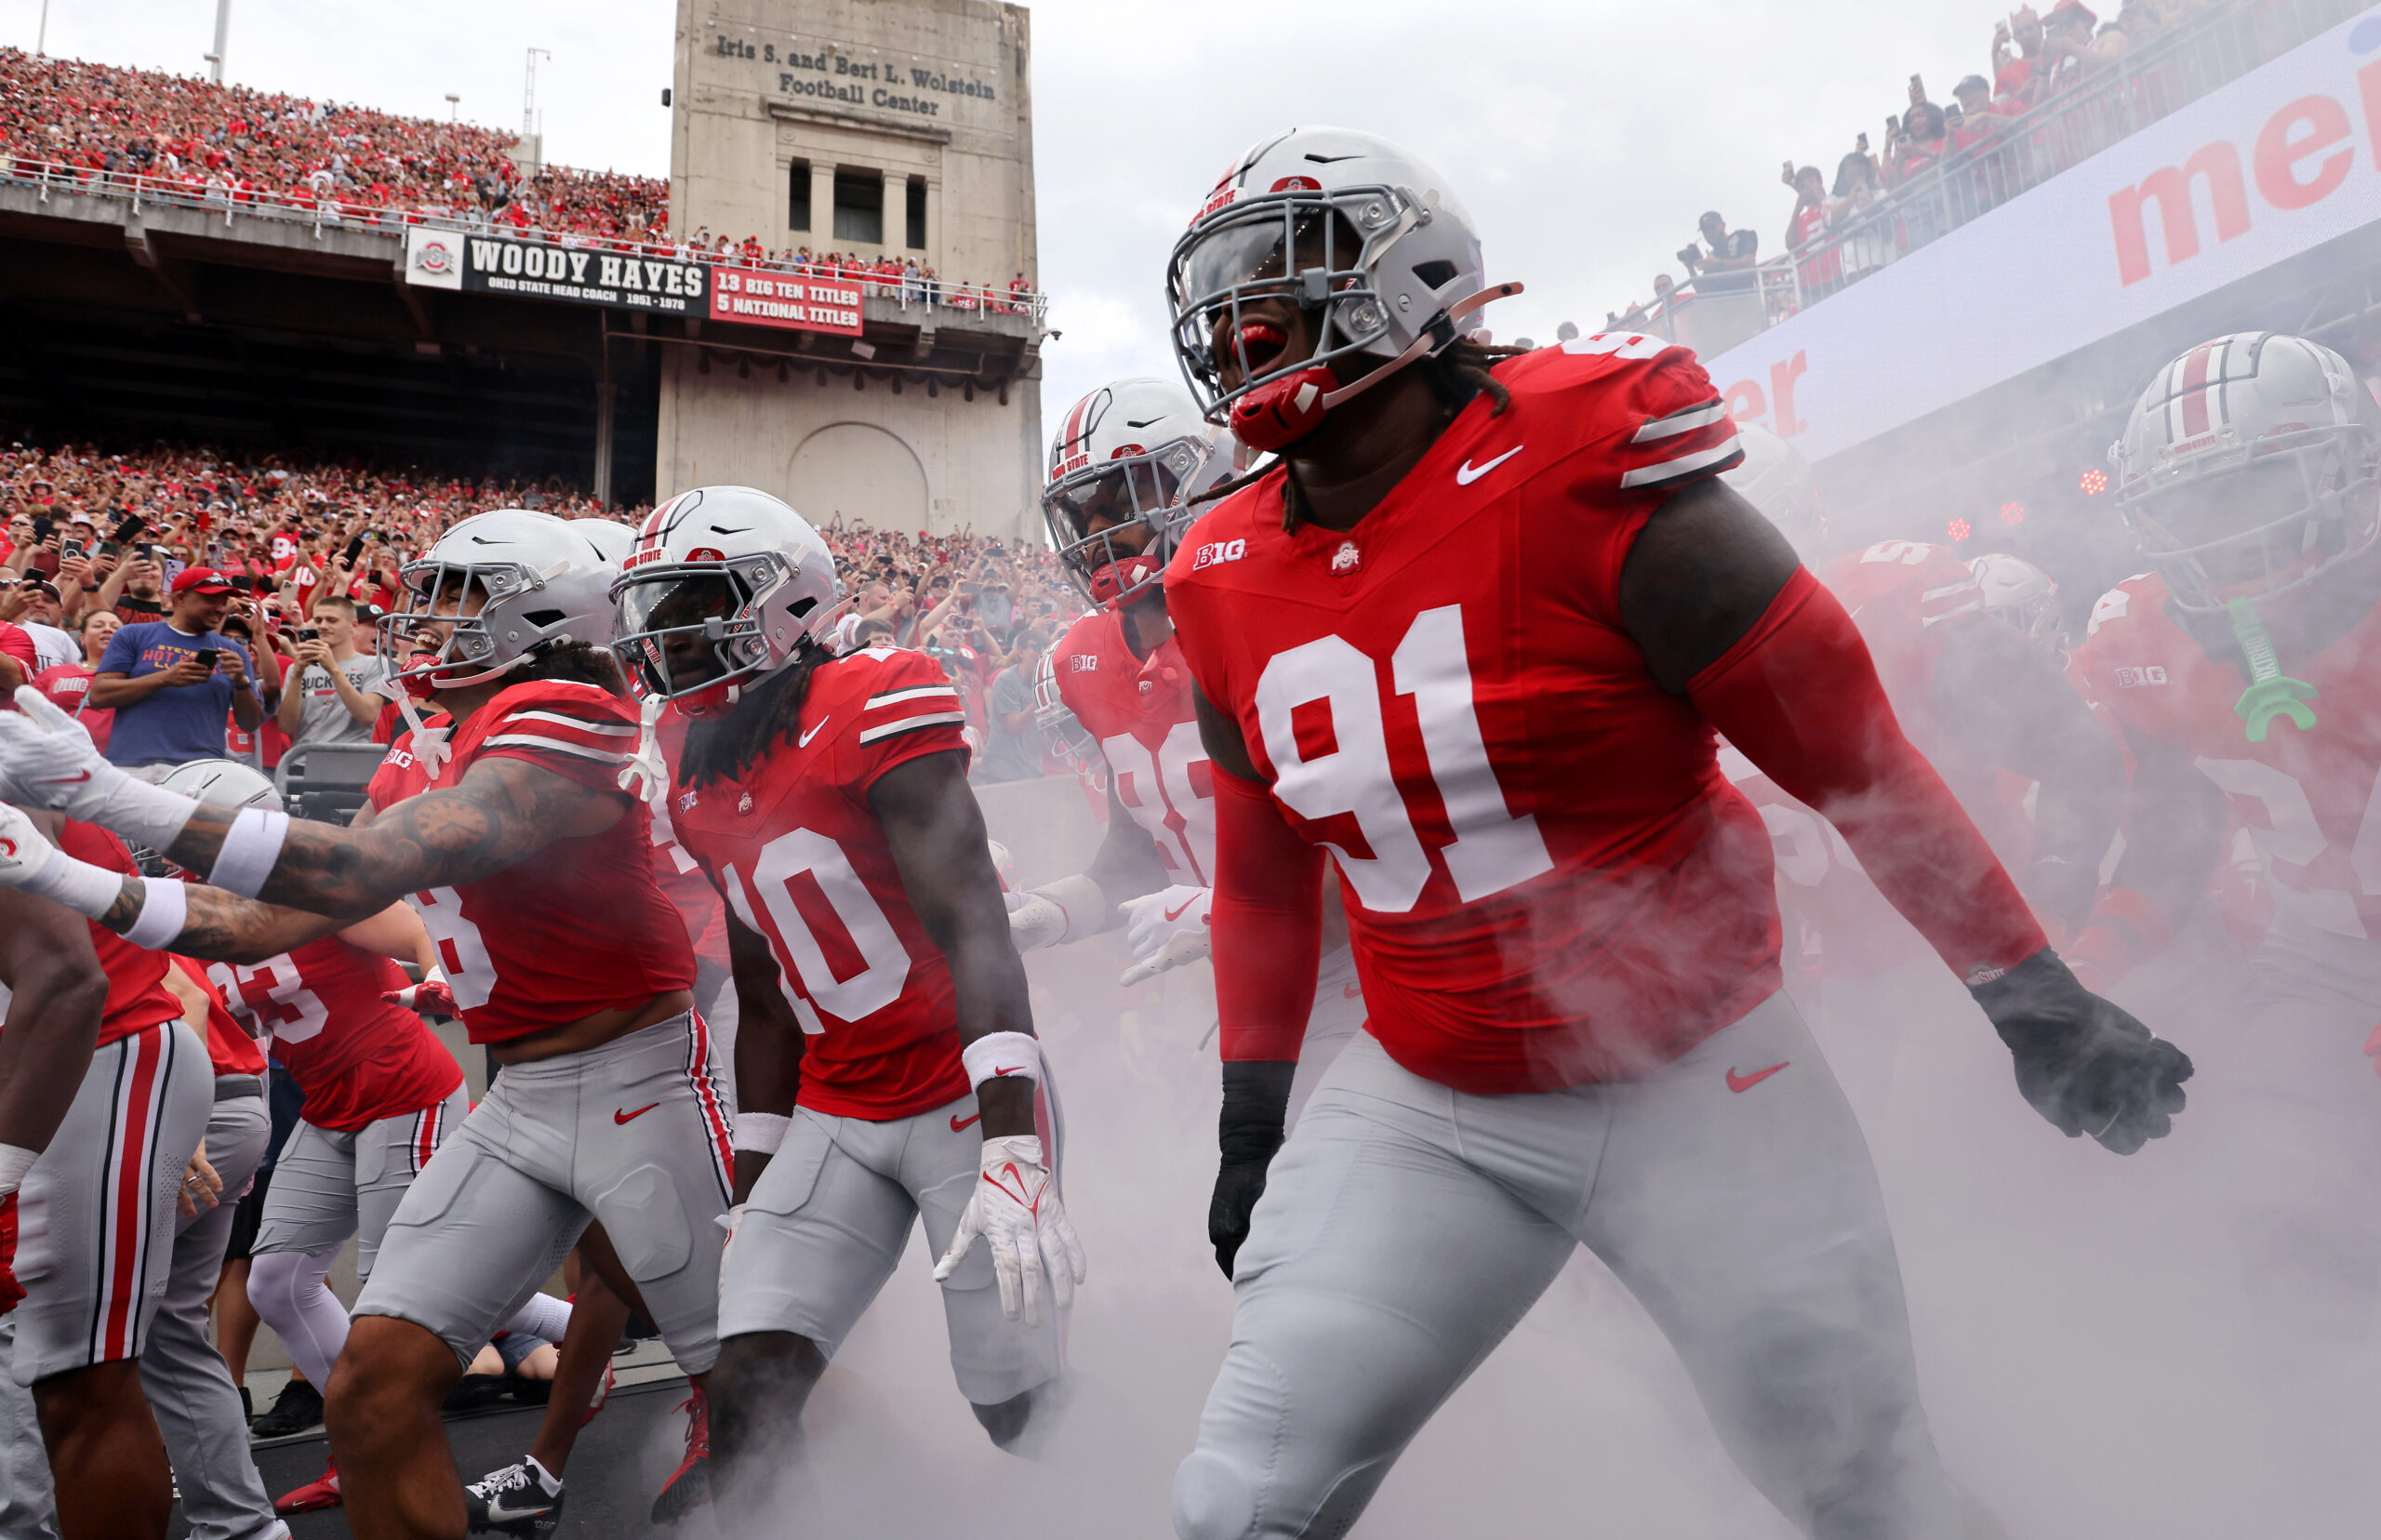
288 1290
544 1315
546 1482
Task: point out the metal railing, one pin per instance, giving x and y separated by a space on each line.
2100 108
327 211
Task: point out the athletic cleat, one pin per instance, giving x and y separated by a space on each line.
603 1394
515 1501
297 1408
688 1487
315 1495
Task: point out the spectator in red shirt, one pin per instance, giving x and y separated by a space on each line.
18 664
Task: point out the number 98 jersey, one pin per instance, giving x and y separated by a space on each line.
1140 712
1547 879
798 851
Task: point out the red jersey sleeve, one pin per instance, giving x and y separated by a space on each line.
910 709
579 732
17 644
229 1046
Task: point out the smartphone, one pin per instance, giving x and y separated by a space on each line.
128 529
148 550
1862 143
70 549
209 654
1917 89
245 583
355 548
109 547
215 554
309 634
1892 126
43 525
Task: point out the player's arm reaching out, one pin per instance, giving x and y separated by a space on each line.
2007 703
935 833
503 810
1125 866
57 995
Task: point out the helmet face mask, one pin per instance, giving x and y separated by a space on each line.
1124 465
495 590
2247 468
724 587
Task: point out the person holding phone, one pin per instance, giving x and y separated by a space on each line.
170 682
338 692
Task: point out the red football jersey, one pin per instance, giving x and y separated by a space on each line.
357 1057
1140 712
138 998
2310 798
581 926
798 851
1547 879
229 1046
680 875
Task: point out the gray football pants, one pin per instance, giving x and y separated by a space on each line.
1405 1229
189 1388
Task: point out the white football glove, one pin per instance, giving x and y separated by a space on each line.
1168 929
30 863
1033 921
1015 1210
46 760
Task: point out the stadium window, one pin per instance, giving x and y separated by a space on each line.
859 206
915 200
797 195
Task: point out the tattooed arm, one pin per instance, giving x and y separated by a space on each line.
503 810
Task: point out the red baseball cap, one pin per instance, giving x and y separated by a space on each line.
202 580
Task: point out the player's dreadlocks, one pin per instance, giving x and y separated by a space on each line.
580 662
1457 372
722 748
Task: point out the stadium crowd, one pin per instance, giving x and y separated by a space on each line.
2009 129
230 145
310 555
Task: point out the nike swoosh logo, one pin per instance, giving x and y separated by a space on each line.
1174 914
1746 1083
1352 991
803 741
722 529
960 1125
626 1118
78 778
1010 1070
1464 474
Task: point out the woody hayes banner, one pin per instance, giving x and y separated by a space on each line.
538 269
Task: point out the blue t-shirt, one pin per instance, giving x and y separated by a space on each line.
179 722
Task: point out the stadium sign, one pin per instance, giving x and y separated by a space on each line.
2280 161
782 299
540 270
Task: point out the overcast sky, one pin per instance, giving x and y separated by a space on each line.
1585 138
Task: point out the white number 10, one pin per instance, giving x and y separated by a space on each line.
1492 849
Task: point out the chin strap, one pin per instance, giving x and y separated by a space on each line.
2271 693
429 748
646 775
1429 342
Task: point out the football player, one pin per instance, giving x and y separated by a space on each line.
2241 668
1473 634
1127 463
94 1142
531 869
889 1070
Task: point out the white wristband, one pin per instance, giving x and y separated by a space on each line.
760 1132
164 908
15 1161
250 848
87 890
998 1054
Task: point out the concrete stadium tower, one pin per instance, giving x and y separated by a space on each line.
876 128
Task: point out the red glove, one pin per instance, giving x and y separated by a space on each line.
430 997
11 1291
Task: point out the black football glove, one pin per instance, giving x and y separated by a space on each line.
2083 1063
1256 1101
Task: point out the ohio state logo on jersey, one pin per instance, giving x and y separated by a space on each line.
1346 558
